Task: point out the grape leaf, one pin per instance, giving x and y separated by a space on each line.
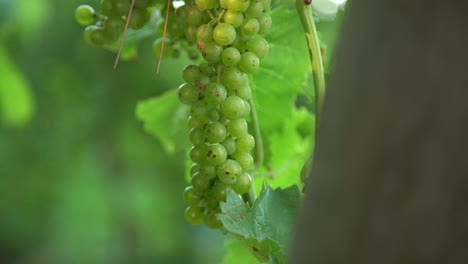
266 227
237 253
165 118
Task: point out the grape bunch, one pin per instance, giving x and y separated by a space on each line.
218 93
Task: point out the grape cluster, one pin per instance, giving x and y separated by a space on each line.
111 20
218 93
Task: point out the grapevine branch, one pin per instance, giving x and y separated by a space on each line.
124 34
164 35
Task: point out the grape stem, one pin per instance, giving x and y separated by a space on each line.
124 34
256 129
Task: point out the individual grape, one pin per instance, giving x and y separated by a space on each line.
238 5
249 62
168 50
212 52
234 18
259 46
245 143
242 186
199 183
229 171
266 4
244 91
195 16
88 32
197 154
208 171
251 26
224 34
264 23
197 135
188 94
114 25
191 33
98 36
206 4
107 7
139 18
195 122
246 109
202 82
194 169
215 94
223 4
193 215
237 127
212 221
215 132
84 15
216 154
205 33
232 77
191 73
232 107
255 9
220 191
230 56
245 160
190 197
230 145
121 7
213 114
199 110
207 69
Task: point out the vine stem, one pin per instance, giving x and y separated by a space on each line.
305 13
259 155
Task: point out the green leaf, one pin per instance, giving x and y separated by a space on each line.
266 227
165 118
16 100
237 252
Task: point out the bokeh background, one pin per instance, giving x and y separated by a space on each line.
80 181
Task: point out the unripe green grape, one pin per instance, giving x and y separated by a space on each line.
195 122
220 191
188 94
195 15
199 183
114 24
232 77
121 7
197 154
107 7
229 171
207 69
194 169
212 52
197 135
232 107
193 54
212 221
206 4
238 5
193 215
230 56
213 114
191 73
246 109
216 154
233 18
88 32
259 46
249 62
245 143
265 24
98 36
208 171
266 4
237 127
84 15
223 4
190 197
224 34
250 27
205 33
139 18
215 94
255 9
191 33
245 160
168 50
215 132
242 186
211 202
202 82
230 145
244 91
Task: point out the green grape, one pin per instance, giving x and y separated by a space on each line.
191 33
168 50
255 9
193 54
249 62
193 215
242 186
265 24
216 154
195 122
224 34
211 202
233 107
84 15
121 7
212 52
234 18
220 191
213 114
215 132
238 5
207 69
246 109
194 169
98 36
208 171
245 143
215 94
237 127
244 91
202 82
195 16
139 18
197 154
212 220
88 32
245 160
205 33
188 94
230 145
259 46
229 171
197 135
230 56
114 25
206 4
232 77
199 110
190 197
107 7
251 26
199 183
191 73
266 4
223 4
